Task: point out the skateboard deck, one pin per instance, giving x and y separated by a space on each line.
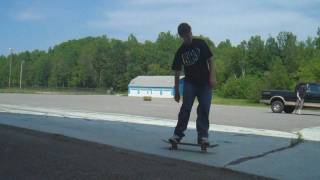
174 146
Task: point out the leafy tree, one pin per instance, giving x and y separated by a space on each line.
278 77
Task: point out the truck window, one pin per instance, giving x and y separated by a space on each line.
313 88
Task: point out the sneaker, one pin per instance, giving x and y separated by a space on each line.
174 139
203 140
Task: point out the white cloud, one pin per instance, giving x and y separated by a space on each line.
30 15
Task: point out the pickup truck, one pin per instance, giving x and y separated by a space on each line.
286 100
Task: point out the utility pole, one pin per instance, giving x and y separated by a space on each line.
21 70
11 52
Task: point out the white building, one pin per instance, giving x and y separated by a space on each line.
154 86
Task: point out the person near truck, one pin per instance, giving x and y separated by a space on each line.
301 90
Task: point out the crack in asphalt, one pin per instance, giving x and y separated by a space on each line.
293 143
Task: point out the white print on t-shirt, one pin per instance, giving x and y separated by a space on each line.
190 57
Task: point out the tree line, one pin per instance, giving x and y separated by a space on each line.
243 70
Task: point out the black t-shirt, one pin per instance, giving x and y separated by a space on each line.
193 58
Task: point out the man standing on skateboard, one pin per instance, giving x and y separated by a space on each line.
196 58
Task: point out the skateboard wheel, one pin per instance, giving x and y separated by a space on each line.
204 148
174 147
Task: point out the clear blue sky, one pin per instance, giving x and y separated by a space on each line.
40 24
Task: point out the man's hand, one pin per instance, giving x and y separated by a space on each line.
177 96
176 86
212 82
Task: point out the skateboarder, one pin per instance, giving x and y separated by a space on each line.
301 93
196 58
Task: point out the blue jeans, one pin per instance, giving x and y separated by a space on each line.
204 96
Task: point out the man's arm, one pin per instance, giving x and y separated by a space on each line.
176 86
298 96
212 73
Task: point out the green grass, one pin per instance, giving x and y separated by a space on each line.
68 91
238 102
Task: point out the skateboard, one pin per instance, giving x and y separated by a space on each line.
174 146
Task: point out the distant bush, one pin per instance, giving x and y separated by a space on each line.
247 87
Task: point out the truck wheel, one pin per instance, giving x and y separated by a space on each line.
277 106
288 109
